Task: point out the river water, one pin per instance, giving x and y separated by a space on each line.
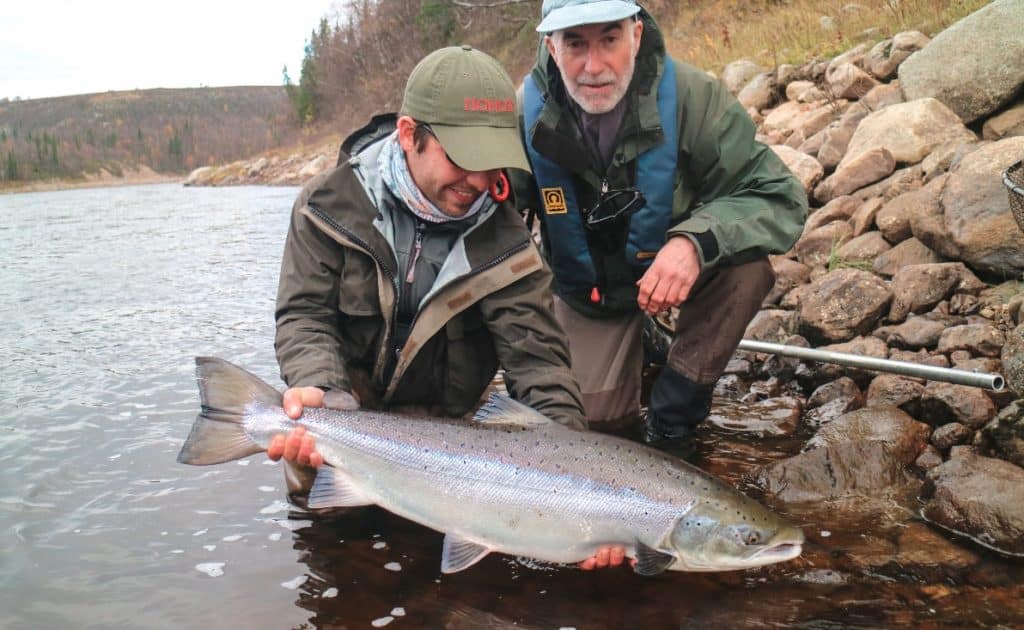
106 295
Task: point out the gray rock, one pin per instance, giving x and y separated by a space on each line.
850 82
788 274
863 218
817 246
983 339
909 252
897 391
896 217
919 288
851 175
1006 124
843 304
773 325
929 458
863 248
806 168
942 403
737 74
839 209
974 80
867 452
759 93
915 333
909 131
976 210
949 435
979 497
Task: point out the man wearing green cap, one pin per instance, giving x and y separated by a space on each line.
652 194
408 279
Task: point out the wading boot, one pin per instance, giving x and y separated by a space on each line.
676 407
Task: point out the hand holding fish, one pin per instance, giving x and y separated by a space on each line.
298 446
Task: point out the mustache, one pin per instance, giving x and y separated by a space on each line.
597 79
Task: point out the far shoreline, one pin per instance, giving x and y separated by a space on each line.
109 181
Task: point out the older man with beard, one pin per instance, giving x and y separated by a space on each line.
652 194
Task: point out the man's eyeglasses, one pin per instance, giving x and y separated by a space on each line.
613 204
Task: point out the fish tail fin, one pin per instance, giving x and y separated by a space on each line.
218 434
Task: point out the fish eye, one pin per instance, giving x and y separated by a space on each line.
747 535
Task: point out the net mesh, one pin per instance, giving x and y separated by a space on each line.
1014 180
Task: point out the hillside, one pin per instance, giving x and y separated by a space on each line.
169 131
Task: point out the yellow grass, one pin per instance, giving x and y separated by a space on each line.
710 34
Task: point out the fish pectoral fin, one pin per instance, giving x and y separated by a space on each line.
500 409
459 553
332 489
650 561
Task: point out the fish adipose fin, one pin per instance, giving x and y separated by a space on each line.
651 561
331 489
218 434
459 553
500 409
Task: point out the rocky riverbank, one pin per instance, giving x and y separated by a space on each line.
911 253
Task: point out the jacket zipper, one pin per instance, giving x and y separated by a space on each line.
417 247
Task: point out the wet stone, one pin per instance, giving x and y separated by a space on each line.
775 416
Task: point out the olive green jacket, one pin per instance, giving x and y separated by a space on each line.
732 196
491 306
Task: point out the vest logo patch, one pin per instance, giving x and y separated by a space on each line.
554 200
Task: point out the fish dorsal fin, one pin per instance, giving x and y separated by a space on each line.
332 489
459 553
500 409
651 561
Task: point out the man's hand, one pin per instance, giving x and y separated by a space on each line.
611 556
298 446
668 281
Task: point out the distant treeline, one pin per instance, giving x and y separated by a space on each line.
169 131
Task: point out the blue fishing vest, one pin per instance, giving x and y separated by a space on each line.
655 177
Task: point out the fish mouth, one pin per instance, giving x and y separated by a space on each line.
779 553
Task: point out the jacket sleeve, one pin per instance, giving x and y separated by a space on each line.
738 199
532 348
307 338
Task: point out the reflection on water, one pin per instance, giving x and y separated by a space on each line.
108 294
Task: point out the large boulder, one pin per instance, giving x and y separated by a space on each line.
976 209
910 131
867 452
975 66
978 497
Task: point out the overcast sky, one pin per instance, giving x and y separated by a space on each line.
60 47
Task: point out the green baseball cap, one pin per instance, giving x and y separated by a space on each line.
469 101
557 15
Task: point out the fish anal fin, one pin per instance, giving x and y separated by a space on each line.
332 489
459 553
500 409
650 561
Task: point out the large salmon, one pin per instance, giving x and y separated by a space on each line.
510 481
